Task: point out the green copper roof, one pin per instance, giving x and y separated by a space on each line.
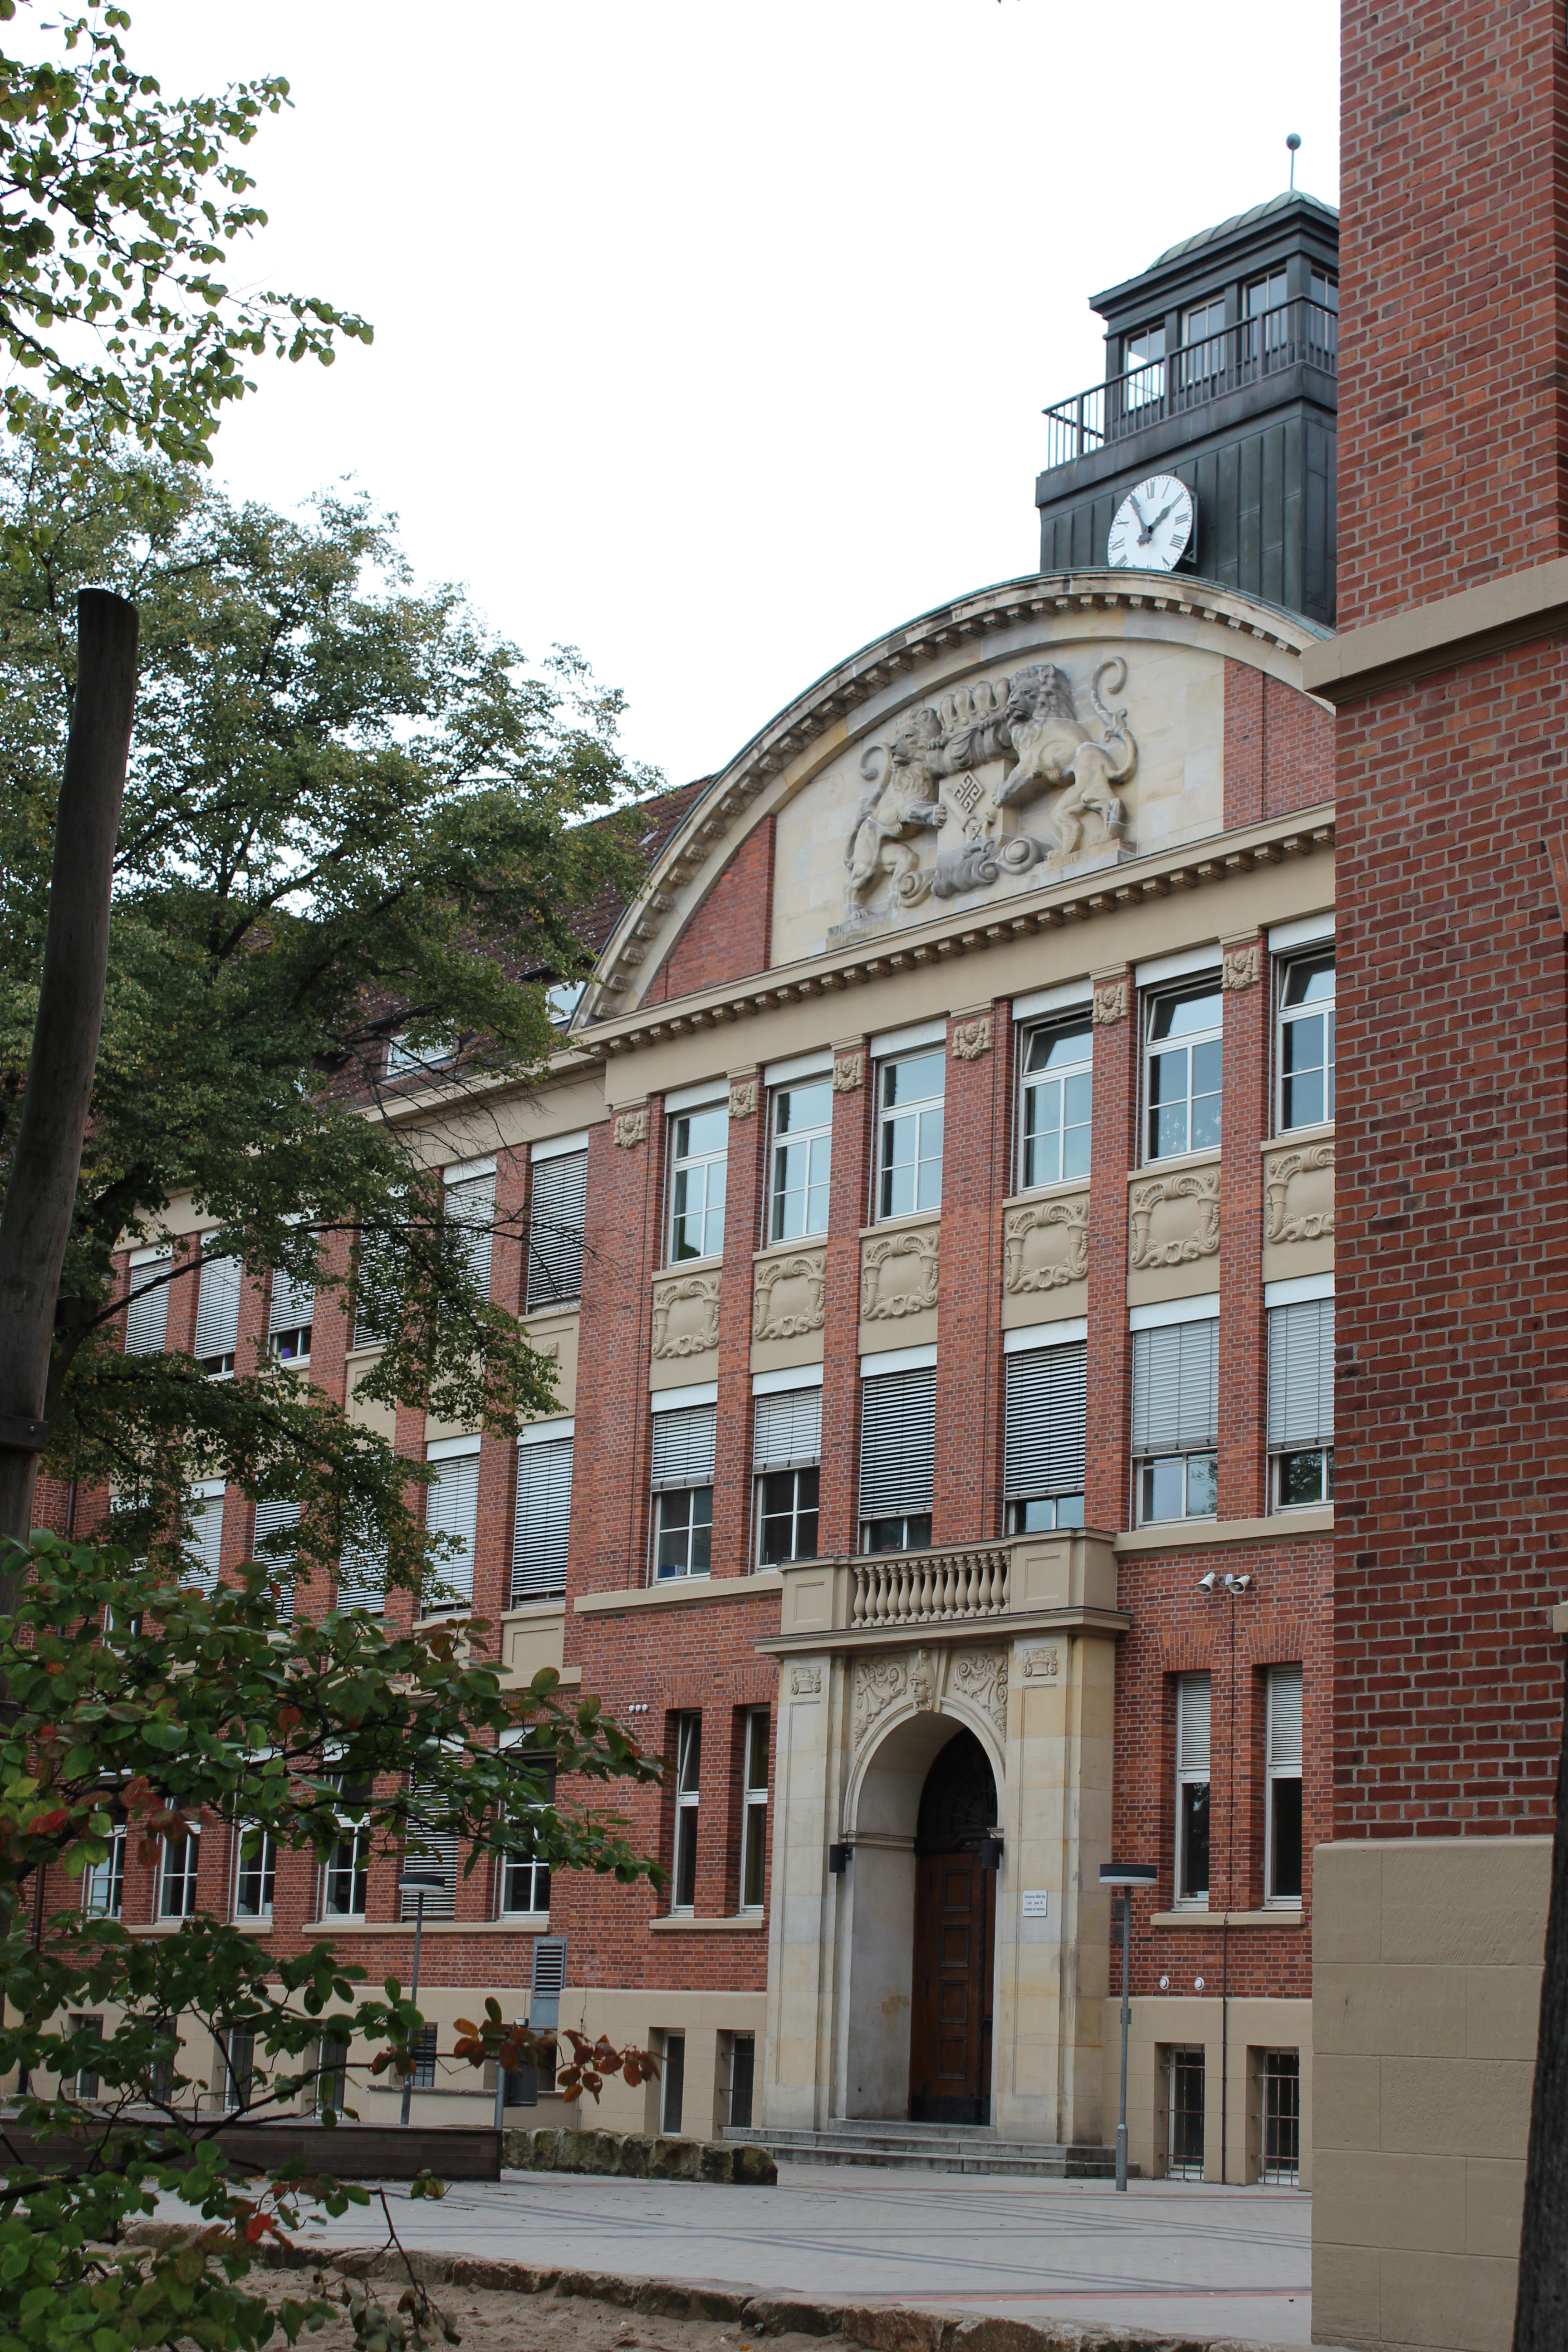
1245 220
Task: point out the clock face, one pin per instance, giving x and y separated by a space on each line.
1152 525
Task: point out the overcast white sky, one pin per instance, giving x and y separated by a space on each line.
714 339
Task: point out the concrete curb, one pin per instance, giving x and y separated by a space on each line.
879 2327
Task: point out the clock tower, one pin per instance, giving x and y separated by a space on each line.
1209 446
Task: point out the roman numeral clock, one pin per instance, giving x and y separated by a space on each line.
1153 526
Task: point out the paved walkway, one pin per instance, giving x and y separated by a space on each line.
1167 2256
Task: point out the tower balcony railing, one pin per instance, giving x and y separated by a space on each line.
1297 335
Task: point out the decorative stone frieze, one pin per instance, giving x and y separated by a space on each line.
1241 967
1111 1003
1174 1220
849 1073
1299 1193
879 1684
980 1676
899 1272
1045 1243
972 1038
789 1295
742 1098
684 1315
805 1681
631 1129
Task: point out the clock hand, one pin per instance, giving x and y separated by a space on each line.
1142 519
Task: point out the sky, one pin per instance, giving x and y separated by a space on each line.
714 339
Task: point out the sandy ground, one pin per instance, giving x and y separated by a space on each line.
543 2323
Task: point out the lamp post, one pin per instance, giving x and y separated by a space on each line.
1127 1876
419 1884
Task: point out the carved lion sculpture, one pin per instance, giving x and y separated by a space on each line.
1052 747
904 775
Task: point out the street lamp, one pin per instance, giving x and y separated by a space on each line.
1127 1876
419 1884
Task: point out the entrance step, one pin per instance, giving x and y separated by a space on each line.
931 2147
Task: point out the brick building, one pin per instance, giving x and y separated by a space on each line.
929 1214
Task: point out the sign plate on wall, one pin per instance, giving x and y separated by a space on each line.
1036 1903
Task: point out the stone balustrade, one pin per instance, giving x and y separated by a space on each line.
929 1587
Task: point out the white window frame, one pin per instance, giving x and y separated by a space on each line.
540 1272
353 1832
525 1868
756 1733
1198 987
450 1570
1287 1769
203 1552
143 1262
687 1809
690 1527
219 1363
262 1866
1325 1008
688 1164
917 1113
1169 1314
177 1889
780 1146
1065 1025
402 1059
1191 1776
473 1212
701 1396
103 1883
797 1386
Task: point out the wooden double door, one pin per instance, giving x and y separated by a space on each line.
949 2025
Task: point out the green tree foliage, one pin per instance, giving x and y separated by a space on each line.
119 210
349 808
190 1706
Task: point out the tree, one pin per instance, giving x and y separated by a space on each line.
186 1706
350 811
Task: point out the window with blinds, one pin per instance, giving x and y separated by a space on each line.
1046 1408
361 1579
898 1443
1282 1835
377 1296
282 1519
452 1509
470 1211
288 1318
1192 1788
217 1315
204 1545
683 1445
430 1848
543 1519
1301 1401
557 1212
786 1430
147 1316
1176 1388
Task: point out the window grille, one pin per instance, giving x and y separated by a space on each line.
204 1546
683 1445
542 1522
469 1206
898 1443
1192 1709
1185 2131
557 1214
217 1313
1046 1407
786 1430
1280 2154
451 1508
423 2053
147 1316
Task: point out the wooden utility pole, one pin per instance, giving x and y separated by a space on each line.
34 1224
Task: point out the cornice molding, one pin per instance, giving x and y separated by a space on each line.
1453 629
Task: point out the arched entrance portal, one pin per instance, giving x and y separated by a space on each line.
955 1940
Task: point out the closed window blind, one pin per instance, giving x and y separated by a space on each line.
786 1431
1176 1388
147 1316
1301 1374
543 1519
217 1308
293 1304
1284 1718
430 1848
472 1209
557 1212
361 1579
898 1443
683 1445
272 1518
1193 1725
203 1549
1048 1391
452 1508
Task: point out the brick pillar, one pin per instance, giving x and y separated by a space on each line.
1244 708
976 1136
1106 1495
742 1228
847 1213
609 1536
1242 1371
509 1241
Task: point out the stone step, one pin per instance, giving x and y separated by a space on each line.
957 2147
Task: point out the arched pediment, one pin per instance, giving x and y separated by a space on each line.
1038 731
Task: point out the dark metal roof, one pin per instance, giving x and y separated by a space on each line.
1279 204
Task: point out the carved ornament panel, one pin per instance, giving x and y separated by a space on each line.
899 1272
849 1073
1299 1193
981 1677
631 1129
1111 1003
789 1295
1174 1220
1045 1243
684 1315
743 1097
972 1038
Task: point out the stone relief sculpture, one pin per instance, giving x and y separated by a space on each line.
1241 967
805 1681
1299 1190
1042 1666
981 1677
973 1038
789 1296
631 1129
743 1097
686 1316
1174 1220
1110 1004
930 780
879 1684
898 1274
1044 1244
923 1681
849 1073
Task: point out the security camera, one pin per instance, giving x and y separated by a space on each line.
1207 1583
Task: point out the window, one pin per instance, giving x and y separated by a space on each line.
1043 1458
699 1156
423 2052
743 2076
203 1548
87 2076
451 1509
672 2087
687 1773
1143 365
542 1522
1057 1098
239 2067
1193 1791
1280 2152
1175 1419
802 1153
103 1883
362 1578
255 1866
1183 1073
898 1458
562 1000
331 2071
343 1878
1306 1041
524 1882
1202 319
557 1212
1302 1404
430 1848
402 1058
1203 340
1323 289
377 1287
1184 2113
217 1315
1268 331
177 1875
683 1443
290 1314
469 1206
276 1546
147 1315
1282 1828
909 1151
754 1802
786 1444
